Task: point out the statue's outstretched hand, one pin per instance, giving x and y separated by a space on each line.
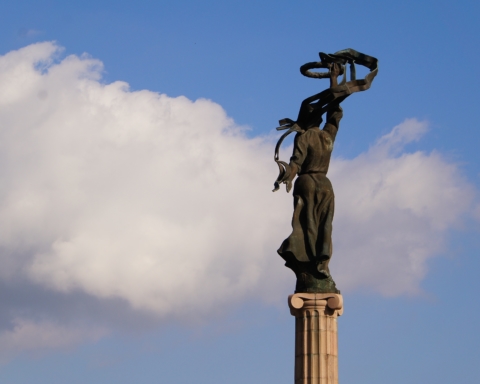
286 176
292 172
289 185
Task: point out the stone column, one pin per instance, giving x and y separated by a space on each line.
316 341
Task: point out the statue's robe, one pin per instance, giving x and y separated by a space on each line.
311 238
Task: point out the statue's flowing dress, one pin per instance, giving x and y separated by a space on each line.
311 238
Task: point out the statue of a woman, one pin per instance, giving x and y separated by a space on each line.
309 248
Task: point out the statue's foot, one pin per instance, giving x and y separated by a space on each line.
319 282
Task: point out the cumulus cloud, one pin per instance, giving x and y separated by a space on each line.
160 201
27 336
393 211
165 205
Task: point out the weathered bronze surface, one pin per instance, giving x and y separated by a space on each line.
308 250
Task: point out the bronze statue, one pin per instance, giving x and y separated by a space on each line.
308 250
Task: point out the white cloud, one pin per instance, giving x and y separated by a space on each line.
393 211
159 201
31 337
164 202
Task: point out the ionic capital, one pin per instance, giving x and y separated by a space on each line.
330 303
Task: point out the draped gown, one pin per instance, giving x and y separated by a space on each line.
311 237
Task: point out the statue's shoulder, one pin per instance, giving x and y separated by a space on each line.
310 136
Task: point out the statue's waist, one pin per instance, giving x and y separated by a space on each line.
313 171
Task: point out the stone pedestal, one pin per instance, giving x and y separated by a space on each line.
316 341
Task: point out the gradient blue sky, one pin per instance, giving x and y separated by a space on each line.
245 55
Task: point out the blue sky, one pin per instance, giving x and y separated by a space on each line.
76 306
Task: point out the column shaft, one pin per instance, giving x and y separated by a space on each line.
316 341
